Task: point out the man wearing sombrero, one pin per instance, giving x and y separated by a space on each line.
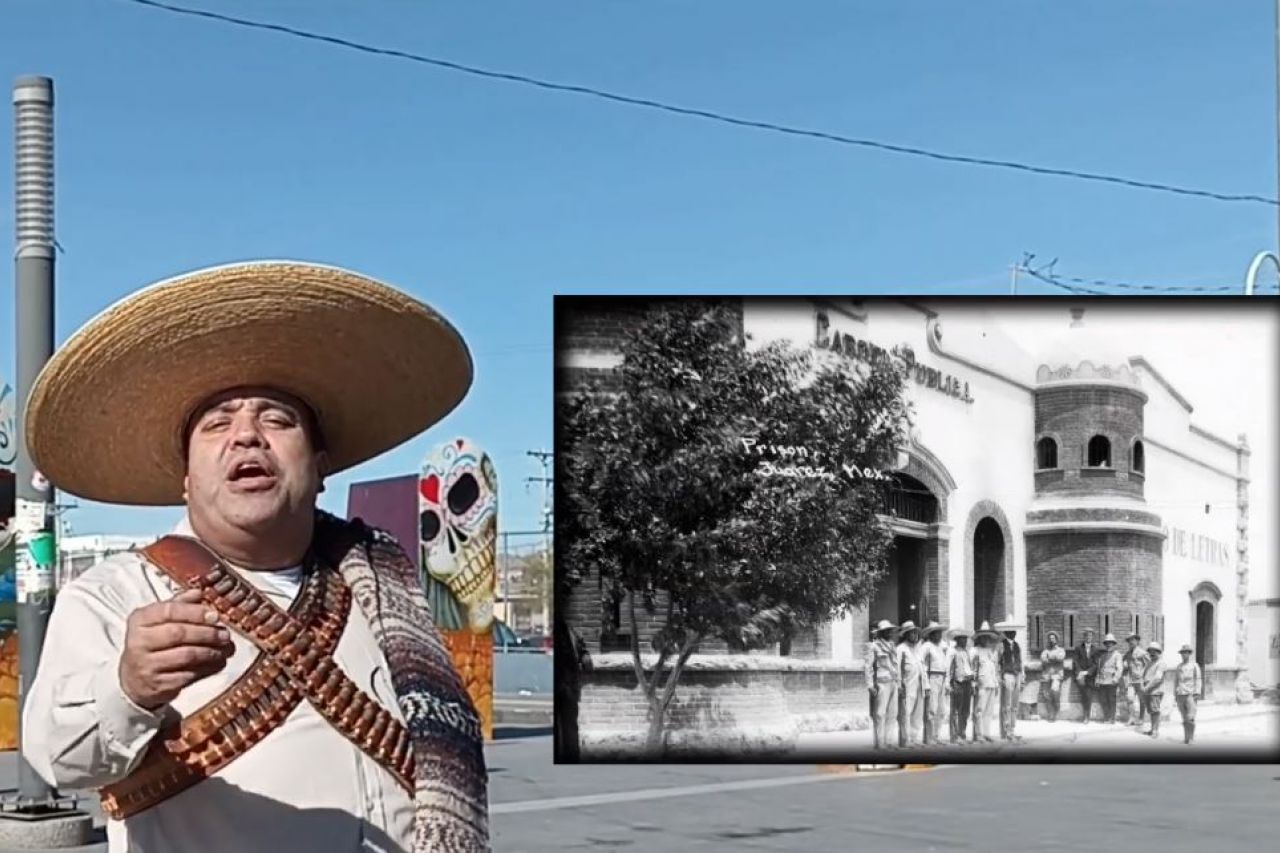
269 677
883 677
934 661
986 678
960 681
1013 676
911 696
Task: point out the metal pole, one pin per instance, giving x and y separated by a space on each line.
506 582
33 519
1013 270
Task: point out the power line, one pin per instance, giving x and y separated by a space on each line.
1073 284
710 115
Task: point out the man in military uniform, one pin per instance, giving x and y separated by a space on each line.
1188 687
883 677
1135 663
1153 685
934 660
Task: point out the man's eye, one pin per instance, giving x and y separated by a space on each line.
215 424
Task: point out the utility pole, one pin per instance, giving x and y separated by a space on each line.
1014 270
37 817
545 457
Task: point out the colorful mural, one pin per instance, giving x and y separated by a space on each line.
8 585
458 534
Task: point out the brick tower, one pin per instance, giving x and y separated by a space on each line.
1094 549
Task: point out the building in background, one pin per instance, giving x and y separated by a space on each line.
1067 488
1264 642
78 553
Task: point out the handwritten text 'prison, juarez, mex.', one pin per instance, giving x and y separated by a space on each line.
798 461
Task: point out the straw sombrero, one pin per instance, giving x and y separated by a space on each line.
1009 624
985 631
105 418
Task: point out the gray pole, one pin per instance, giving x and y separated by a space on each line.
37 818
33 105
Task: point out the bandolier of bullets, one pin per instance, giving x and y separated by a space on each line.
296 662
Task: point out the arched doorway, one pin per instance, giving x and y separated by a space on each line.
988 572
911 509
1205 618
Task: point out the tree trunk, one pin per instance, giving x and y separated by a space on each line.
655 743
568 684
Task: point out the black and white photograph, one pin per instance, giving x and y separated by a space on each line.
895 531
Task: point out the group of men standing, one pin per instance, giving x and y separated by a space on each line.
916 679
916 682
1100 672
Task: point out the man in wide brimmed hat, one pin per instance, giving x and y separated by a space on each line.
960 682
235 391
1135 663
1153 685
883 677
1013 676
986 668
933 658
911 690
1110 671
1188 687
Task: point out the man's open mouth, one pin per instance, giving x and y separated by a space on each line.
252 474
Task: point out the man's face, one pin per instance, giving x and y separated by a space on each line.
251 461
1088 637
1133 643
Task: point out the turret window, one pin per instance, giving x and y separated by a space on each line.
1046 453
1139 457
1099 452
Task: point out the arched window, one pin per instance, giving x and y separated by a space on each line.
1139 457
1099 452
1046 453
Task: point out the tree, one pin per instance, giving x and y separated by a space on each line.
666 494
538 577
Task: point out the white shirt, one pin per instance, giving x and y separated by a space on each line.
286 581
303 788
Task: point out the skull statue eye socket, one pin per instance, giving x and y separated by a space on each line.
430 525
463 494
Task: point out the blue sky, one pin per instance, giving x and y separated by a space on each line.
183 143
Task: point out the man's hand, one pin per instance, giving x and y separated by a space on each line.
169 645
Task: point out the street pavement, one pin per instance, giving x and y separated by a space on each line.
538 807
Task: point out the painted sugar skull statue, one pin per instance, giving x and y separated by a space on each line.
458 514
